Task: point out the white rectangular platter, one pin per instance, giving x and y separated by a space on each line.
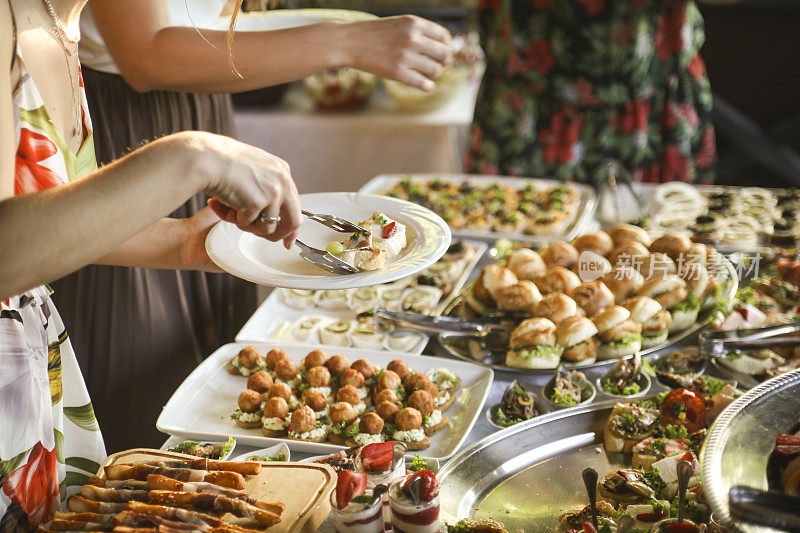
202 405
384 182
275 319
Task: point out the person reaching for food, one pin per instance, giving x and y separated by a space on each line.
59 213
151 68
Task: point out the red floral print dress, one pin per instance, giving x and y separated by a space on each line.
50 442
570 83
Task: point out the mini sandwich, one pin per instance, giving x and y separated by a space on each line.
526 264
492 279
619 336
304 426
592 296
625 233
432 419
630 254
533 345
598 242
249 413
318 378
246 363
623 281
655 321
276 417
522 296
370 430
557 279
318 402
560 253
344 422
556 307
697 281
670 291
286 371
356 379
576 335
675 245
408 422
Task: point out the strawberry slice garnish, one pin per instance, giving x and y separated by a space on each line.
421 486
389 230
349 484
377 457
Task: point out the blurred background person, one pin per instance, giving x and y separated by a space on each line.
570 83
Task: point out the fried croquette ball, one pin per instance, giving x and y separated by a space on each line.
274 356
250 357
352 377
286 369
399 367
408 419
319 376
261 381
315 358
422 401
370 423
316 400
303 420
276 407
348 394
337 364
249 401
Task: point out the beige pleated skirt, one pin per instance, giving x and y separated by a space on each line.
138 332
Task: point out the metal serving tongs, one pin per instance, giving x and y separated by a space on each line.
323 258
398 321
773 509
718 344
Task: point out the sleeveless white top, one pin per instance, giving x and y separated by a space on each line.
202 14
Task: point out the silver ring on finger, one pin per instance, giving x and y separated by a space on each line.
268 219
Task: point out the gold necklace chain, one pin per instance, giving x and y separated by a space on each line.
62 36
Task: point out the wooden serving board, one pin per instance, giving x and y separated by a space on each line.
304 488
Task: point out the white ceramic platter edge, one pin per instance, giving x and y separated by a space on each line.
201 406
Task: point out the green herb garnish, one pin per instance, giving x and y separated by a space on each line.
675 432
562 398
418 463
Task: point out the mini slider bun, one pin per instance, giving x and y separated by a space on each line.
557 279
598 242
560 253
619 336
576 335
491 279
696 277
654 319
667 290
625 233
623 281
628 254
526 264
592 296
556 307
522 296
533 345
656 264
675 245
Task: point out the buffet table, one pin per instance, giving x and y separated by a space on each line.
340 151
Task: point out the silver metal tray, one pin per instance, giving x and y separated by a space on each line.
470 349
583 217
527 475
741 440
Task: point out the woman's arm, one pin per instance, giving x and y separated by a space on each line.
152 55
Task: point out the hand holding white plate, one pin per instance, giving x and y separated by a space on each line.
260 261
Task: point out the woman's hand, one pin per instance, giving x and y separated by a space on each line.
409 49
245 182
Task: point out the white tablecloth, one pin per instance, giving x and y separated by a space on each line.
340 151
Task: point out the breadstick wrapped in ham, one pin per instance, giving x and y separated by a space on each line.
231 480
208 501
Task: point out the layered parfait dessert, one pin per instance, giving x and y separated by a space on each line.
356 509
414 503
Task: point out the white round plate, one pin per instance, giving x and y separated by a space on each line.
255 259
